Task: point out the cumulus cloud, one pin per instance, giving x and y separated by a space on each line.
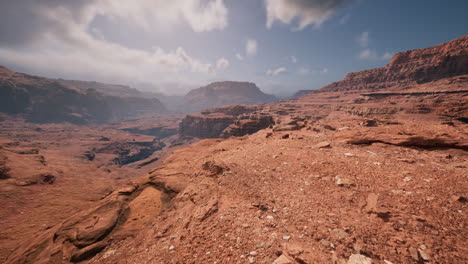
276 72
305 12
344 19
57 37
370 54
387 55
251 47
293 59
306 70
239 56
363 39
222 64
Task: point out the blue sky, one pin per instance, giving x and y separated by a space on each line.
174 46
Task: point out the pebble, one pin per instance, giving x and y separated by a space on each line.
253 253
269 217
286 237
359 259
349 154
171 247
407 179
251 260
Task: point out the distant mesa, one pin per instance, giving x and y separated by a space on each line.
224 93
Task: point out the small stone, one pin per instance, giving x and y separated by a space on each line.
171 247
269 217
342 181
282 260
349 154
286 237
423 254
251 259
285 136
359 259
414 253
387 262
340 233
253 253
108 253
323 144
407 179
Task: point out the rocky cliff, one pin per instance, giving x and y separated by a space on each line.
224 93
411 67
226 121
43 100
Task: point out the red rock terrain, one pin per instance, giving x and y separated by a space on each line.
362 176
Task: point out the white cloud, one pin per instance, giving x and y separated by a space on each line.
303 70
57 39
239 56
363 39
251 47
344 19
369 54
276 72
293 59
306 70
162 14
222 64
306 12
387 55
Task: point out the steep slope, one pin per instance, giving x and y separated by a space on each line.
411 67
44 100
224 93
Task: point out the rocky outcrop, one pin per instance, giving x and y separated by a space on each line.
224 93
43 100
411 67
248 125
226 121
85 234
205 126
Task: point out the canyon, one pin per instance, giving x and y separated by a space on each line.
370 169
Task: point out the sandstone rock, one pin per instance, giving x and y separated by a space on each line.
371 204
323 144
283 260
343 181
359 259
213 168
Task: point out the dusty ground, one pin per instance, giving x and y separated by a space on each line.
50 178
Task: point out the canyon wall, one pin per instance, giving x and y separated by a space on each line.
410 67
